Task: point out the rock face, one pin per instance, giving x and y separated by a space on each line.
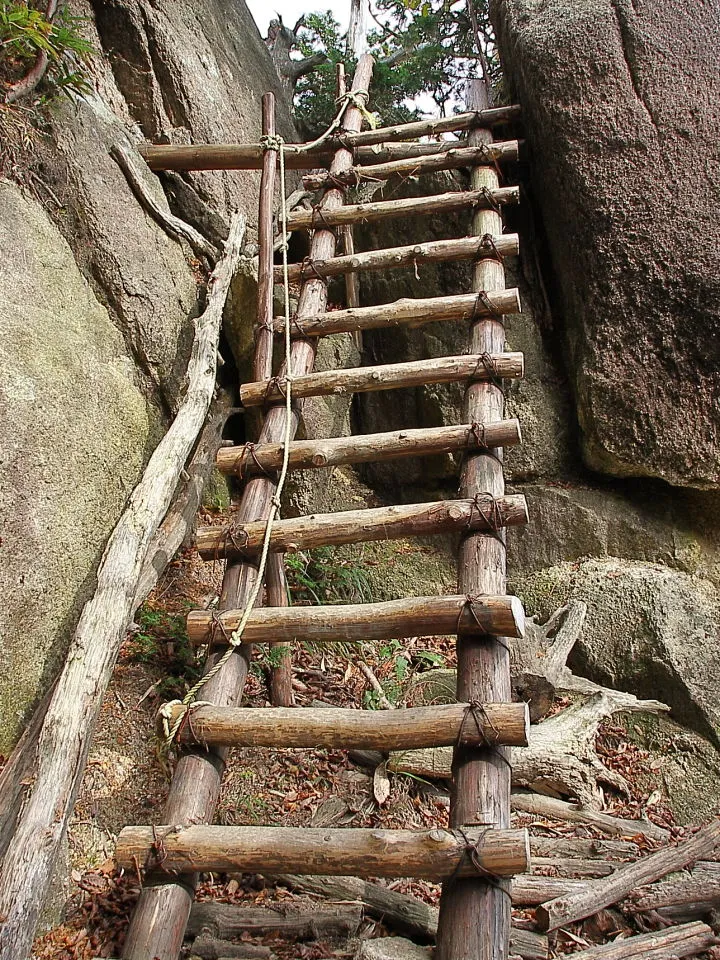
621 107
97 302
651 631
77 431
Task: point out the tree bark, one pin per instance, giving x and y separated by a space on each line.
551 808
226 921
686 941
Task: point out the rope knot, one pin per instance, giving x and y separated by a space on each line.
272 142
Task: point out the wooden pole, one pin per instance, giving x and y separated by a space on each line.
69 721
248 156
249 460
688 940
464 306
361 526
335 729
475 914
434 251
388 376
159 921
500 152
395 209
426 854
355 622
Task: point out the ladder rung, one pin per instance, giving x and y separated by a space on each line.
433 251
481 515
466 306
411 617
258 458
331 728
388 376
428 854
498 151
385 209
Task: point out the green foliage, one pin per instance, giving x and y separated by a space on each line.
318 576
162 641
26 32
421 47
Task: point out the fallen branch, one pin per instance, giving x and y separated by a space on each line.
228 920
701 885
686 941
70 720
602 893
533 803
137 172
403 913
210 948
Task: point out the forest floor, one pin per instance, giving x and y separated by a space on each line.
128 772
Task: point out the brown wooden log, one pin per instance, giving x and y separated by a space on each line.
249 156
530 890
499 152
386 620
572 866
564 910
699 885
475 914
550 807
158 924
607 851
384 152
251 459
374 211
68 724
465 306
277 596
362 526
388 376
298 921
412 255
506 723
427 854
403 913
263 360
685 941
211 948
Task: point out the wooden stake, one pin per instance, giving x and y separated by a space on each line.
466 306
69 722
564 910
252 459
263 361
336 729
158 924
388 209
362 526
281 694
249 156
388 376
426 854
391 619
417 166
475 915
434 251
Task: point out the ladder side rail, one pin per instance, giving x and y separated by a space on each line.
475 913
158 924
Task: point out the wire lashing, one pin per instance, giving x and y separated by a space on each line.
472 853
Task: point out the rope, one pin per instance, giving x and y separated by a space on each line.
235 639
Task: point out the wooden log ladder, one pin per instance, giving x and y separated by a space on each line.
475 857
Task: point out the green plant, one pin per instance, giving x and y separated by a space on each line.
319 576
162 640
27 34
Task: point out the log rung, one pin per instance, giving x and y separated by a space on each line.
413 312
503 724
429 854
388 376
498 151
393 209
482 514
501 616
433 251
260 458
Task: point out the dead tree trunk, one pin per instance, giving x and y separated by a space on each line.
281 41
